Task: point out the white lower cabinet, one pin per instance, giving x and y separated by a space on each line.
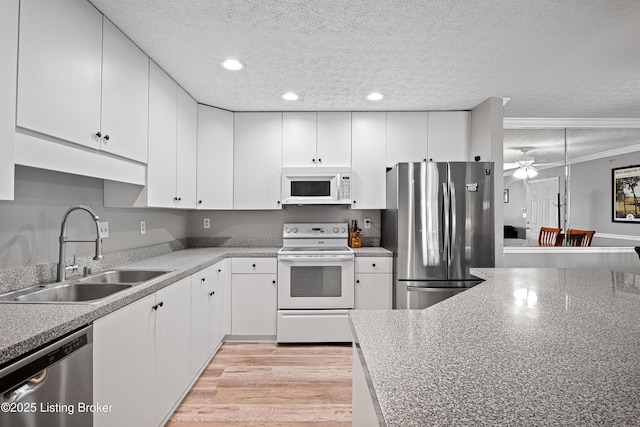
173 322
207 314
254 296
124 351
141 358
373 283
363 408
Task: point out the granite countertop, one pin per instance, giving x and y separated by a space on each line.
372 252
25 327
526 347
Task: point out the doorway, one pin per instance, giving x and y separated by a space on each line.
542 206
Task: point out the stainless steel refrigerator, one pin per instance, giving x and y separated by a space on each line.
439 222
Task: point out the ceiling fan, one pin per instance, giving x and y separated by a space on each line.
523 165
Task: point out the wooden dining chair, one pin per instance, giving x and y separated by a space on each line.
548 236
577 237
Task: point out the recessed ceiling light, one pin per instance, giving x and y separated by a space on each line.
232 64
375 96
290 96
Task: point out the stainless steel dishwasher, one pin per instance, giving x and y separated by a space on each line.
51 387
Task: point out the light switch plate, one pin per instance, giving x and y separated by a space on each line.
143 227
207 223
103 229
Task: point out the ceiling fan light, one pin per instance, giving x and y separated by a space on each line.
520 173
525 172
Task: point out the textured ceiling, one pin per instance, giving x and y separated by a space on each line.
569 58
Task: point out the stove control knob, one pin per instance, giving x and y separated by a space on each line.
288 230
343 230
336 229
295 230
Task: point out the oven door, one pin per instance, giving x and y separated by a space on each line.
315 282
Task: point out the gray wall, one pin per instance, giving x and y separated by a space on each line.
30 225
268 224
591 196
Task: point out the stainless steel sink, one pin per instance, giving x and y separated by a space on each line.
87 290
73 292
123 276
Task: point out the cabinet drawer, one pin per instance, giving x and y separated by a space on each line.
254 265
373 264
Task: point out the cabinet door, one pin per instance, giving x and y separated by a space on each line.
406 137
124 365
299 139
8 78
373 291
217 314
334 139
125 96
257 160
187 147
215 158
201 307
59 70
172 345
161 167
253 304
368 163
449 136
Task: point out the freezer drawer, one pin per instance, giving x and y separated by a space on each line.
424 294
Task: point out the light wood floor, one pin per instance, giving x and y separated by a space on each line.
269 385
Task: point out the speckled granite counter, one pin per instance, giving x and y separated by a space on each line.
372 252
527 347
24 327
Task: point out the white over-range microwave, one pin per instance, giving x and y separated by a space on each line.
317 186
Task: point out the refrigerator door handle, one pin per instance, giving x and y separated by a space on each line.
454 220
445 195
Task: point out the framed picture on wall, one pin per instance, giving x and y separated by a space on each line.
626 194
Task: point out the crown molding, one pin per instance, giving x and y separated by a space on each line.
559 123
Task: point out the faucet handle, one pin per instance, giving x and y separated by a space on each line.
73 267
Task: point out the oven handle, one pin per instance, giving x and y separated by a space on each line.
332 258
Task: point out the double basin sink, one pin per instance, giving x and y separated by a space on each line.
87 290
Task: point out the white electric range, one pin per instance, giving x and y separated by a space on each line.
315 283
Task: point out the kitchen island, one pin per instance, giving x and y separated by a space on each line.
526 347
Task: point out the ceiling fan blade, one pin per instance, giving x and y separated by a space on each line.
509 166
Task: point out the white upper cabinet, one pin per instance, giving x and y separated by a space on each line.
334 139
80 79
316 139
449 135
161 170
215 158
407 134
186 150
299 136
59 71
8 77
257 160
368 163
171 166
125 96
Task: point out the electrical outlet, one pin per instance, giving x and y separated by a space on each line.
143 227
367 223
103 229
207 223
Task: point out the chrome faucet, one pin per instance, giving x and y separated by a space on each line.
62 267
